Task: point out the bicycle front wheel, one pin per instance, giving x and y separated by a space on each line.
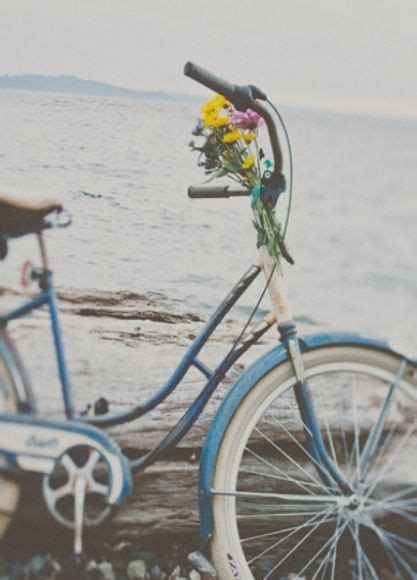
15 397
274 516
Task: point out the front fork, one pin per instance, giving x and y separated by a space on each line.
327 470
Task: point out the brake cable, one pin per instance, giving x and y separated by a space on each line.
252 314
290 157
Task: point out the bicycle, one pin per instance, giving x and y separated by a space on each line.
307 467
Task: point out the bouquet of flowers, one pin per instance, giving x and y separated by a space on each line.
228 147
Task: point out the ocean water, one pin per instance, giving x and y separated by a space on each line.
122 168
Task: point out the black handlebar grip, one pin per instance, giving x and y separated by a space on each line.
216 191
210 80
240 96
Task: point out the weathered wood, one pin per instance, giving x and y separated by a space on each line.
125 359
123 346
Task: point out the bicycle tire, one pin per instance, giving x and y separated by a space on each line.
15 397
263 450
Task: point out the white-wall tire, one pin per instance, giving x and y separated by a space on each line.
228 555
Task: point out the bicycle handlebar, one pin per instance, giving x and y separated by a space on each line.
243 97
214 191
209 80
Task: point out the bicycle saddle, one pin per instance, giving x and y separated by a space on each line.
23 214
20 215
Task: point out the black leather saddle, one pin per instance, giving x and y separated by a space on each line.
21 215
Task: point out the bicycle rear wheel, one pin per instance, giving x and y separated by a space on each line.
15 397
273 516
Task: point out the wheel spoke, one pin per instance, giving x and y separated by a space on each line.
392 553
364 556
311 522
303 449
301 542
402 540
392 459
356 427
401 493
412 503
298 482
327 427
332 540
331 554
377 429
286 497
389 437
290 459
282 531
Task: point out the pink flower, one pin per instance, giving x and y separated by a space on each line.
246 120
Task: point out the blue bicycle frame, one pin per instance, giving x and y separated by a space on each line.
328 472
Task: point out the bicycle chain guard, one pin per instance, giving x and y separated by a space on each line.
67 454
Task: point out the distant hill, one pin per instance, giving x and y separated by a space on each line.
74 85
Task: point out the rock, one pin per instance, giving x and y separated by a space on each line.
91 565
42 568
202 565
156 573
107 571
175 573
194 575
136 570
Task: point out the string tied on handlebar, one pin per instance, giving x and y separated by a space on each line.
270 188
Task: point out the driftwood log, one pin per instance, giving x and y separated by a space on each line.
123 346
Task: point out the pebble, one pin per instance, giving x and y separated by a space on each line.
136 570
200 562
107 571
145 566
42 568
156 573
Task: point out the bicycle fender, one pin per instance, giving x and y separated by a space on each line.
35 445
239 390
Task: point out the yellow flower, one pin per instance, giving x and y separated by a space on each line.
214 105
209 119
247 164
248 137
212 120
232 137
220 121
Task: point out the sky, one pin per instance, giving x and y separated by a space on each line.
344 54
